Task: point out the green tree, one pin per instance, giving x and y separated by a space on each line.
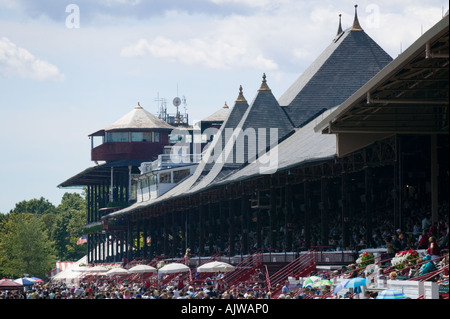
68 227
35 206
25 247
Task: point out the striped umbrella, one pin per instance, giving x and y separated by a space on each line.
391 294
25 281
311 280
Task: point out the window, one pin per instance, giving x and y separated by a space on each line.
179 175
141 136
117 137
152 180
164 178
180 138
156 137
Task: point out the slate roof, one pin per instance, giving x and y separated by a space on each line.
305 145
344 66
216 147
219 116
263 114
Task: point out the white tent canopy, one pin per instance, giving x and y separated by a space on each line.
139 269
215 266
73 273
173 268
117 271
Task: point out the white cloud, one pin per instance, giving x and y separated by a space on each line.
251 3
110 3
213 54
18 61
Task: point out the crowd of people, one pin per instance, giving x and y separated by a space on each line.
215 287
419 233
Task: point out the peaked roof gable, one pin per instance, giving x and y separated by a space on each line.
219 116
344 66
248 139
208 157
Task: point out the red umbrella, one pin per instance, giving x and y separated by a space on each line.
9 284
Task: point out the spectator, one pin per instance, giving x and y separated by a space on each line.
423 240
396 244
393 275
426 223
390 248
434 250
416 230
286 289
427 267
403 241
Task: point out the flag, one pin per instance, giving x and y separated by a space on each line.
82 240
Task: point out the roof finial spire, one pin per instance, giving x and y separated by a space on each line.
241 97
264 86
339 31
138 106
225 106
356 25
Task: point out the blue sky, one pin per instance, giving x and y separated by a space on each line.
61 81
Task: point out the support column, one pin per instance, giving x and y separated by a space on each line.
144 236
324 209
222 228
231 217
434 179
89 249
191 233
212 235
258 229
307 220
122 245
176 238
368 204
273 218
111 190
245 224
153 240
166 234
128 241
288 218
201 221
129 196
104 247
396 192
345 211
